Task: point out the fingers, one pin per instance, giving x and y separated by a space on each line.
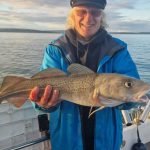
46 96
54 99
34 94
50 97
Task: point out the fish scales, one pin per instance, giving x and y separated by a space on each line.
79 89
82 86
74 88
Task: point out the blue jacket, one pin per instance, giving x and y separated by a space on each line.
65 125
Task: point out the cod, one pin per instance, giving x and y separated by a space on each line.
79 85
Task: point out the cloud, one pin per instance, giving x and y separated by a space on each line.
35 6
35 3
133 26
41 21
35 12
116 5
51 14
136 26
127 15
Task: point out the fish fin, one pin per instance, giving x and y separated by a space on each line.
94 102
91 113
50 72
17 101
10 81
110 102
91 110
78 69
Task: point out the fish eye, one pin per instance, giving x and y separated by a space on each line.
128 84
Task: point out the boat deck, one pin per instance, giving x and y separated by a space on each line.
20 125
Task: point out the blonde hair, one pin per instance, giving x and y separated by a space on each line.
71 21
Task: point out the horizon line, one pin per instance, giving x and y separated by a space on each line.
60 31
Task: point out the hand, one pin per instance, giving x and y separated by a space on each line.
49 99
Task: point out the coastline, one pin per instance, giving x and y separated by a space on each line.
56 31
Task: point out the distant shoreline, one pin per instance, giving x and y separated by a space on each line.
56 31
30 31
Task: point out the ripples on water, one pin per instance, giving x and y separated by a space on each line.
139 48
22 53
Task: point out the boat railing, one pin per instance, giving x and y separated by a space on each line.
137 124
130 116
30 143
43 123
43 128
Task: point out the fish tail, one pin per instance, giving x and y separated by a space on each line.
9 86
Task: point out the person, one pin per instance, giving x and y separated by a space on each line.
86 42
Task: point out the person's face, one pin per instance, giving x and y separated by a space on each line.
87 20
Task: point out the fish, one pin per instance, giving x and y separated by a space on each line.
79 85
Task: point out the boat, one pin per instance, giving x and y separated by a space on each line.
20 127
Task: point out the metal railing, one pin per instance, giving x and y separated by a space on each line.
30 143
43 127
127 117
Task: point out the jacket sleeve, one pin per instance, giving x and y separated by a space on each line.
52 59
124 64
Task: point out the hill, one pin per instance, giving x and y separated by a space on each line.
29 30
56 31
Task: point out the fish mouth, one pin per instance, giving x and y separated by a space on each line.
143 97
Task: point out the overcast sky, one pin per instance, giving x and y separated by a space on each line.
122 15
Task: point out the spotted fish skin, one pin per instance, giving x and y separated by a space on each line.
80 85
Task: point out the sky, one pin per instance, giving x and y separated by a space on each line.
121 15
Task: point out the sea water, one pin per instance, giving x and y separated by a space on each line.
22 53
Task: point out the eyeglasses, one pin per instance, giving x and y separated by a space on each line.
83 12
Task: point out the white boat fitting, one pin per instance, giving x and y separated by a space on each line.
21 125
136 129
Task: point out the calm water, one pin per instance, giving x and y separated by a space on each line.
22 53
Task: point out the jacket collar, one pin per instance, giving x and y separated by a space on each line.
74 37
105 42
